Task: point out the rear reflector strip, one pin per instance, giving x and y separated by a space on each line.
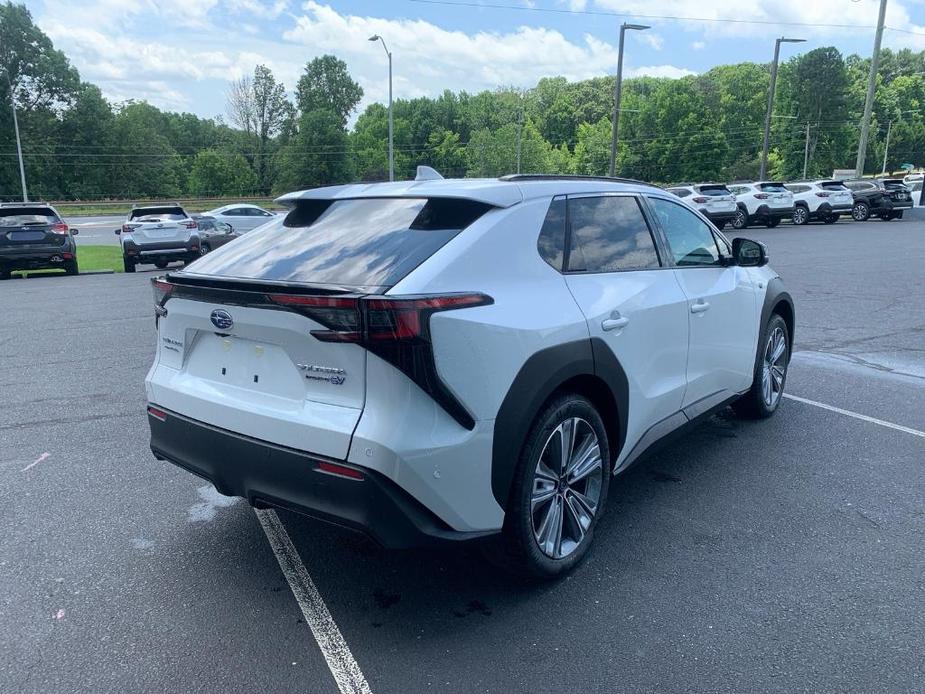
340 471
156 413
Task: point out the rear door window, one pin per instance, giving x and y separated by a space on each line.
609 234
365 243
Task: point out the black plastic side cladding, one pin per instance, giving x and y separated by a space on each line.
774 295
540 376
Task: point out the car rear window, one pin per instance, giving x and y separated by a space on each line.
171 213
680 192
893 183
832 185
772 188
371 242
22 216
714 191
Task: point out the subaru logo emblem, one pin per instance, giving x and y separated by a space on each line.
221 319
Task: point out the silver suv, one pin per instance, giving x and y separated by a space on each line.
158 234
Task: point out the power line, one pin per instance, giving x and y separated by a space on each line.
605 13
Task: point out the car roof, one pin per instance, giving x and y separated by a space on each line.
236 204
498 192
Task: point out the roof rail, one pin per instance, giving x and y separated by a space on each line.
571 177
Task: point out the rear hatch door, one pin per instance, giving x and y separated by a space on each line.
159 226
720 198
31 229
778 195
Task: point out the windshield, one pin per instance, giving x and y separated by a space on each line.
358 243
28 216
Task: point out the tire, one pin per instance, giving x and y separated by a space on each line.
830 219
773 351
71 268
800 215
204 248
898 215
537 540
860 212
740 221
721 225
128 265
160 264
771 223
5 273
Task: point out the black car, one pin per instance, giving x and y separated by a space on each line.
885 198
34 237
213 233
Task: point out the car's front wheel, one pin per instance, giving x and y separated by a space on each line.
128 265
770 377
71 268
560 489
830 219
860 212
773 222
740 221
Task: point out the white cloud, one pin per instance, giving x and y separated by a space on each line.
659 71
698 45
651 39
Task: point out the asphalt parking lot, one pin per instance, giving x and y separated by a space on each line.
780 556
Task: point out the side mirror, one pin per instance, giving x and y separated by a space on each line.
73 231
748 253
118 231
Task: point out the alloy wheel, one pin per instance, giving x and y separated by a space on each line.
860 213
740 220
774 368
799 216
567 486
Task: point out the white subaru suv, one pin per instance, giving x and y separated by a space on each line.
158 234
713 200
765 202
437 360
824 201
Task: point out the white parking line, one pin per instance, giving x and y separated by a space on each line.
334 648
42 457
862 417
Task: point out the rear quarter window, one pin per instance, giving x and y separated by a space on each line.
372 242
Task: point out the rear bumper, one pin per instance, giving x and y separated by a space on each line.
766 212
269 475
45 257
719 216
154 252
825 209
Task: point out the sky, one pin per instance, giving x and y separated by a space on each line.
181 54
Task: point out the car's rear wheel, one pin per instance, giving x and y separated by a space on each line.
860 212
204 248
128 265
800 215
560 489
771 223
740 221
71 268
830 219
5 273
770 378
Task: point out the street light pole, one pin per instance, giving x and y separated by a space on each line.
376 37
806 153
617 93
871 91
22 168
767 115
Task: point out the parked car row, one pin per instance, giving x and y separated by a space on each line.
160 234
767 203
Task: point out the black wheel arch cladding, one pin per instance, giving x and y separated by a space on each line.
539 378
777 300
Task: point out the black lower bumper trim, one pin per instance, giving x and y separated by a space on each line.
269 475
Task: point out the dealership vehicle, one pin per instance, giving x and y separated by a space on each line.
243 217
765 202
365 360
713 200
915 190
213 233
824 201
886 198
34 237
158 234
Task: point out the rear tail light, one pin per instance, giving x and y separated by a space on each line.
59 228
162 292
700 201
762 196
157 413
823 195
190 224
129 228
396 329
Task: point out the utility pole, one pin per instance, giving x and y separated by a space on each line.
22 168
871 91
376 37
617 93
806 153
520 130
767 115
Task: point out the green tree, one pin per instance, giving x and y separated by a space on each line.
316 155
216 173
326 84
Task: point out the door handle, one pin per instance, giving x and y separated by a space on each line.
614 323
700 306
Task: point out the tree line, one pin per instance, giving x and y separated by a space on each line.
79 146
